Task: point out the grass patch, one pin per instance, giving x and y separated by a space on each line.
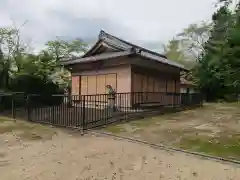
116 129
143 122
212 129
222 146
4 119
151 121
26 130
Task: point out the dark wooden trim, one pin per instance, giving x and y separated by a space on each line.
79 85
132 84
166 85
104 81
155 72
87 84
96 85
114 63
175 86
174 98
98 74
154 85
132 79
116 83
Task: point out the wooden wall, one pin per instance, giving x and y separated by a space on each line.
155 85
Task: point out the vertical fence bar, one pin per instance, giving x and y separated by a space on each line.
74 114
78 118
28 99
52 113
13 107
108 113
83 116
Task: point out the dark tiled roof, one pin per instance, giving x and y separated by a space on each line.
125 48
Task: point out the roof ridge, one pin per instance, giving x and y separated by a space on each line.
103 34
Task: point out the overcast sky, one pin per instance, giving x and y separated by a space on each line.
145 22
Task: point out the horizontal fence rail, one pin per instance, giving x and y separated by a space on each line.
91 111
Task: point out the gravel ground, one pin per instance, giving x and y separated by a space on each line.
72 157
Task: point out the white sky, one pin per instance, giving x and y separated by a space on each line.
147 22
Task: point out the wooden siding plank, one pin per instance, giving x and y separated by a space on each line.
170 86
92 85
101 87
150 84
137 83
144 83
84 85
163 83
75 85
101 84
156 85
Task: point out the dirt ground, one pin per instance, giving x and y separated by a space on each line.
213 129
35 152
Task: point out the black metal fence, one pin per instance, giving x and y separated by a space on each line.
11 104
90 111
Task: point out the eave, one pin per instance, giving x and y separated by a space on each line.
103 56
121 48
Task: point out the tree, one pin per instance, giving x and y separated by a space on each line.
11 48
193 38
230 63
8 48
60 48
174 52
187 45
34 73
217 73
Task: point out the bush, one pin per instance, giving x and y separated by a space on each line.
42 91
7 98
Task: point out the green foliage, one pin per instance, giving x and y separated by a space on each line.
39 73
186 46
194 36
218 70
43 90
174 52
212 52
60 48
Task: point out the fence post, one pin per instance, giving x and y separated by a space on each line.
83 116
28 107
13 108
